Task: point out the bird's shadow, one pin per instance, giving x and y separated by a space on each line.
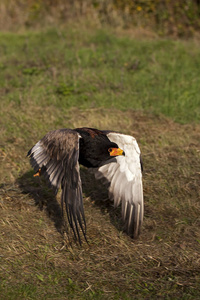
98 194
45 198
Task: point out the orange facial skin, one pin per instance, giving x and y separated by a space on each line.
116 151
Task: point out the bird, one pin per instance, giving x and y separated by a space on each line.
114 157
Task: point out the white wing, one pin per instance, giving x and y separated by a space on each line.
125 176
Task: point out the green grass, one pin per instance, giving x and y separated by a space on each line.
71 78
92 69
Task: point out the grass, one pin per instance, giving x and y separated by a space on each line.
55 79
98 69
177 19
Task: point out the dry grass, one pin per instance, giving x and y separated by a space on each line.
38 260
178 19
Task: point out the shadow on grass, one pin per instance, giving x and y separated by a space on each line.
45 198
98 193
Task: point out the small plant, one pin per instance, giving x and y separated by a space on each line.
64 90
31 71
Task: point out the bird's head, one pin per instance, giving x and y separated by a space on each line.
94 150
106 150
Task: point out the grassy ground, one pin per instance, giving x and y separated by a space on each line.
67 78
92 69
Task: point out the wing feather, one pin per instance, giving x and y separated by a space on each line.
125 177
56 154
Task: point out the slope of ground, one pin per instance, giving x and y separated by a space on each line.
39 261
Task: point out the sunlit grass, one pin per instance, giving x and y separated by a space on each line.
98 69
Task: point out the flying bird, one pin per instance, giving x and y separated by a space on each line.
113 156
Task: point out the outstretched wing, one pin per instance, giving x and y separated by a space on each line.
125 176
56 157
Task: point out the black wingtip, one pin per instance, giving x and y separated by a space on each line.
141 163
29 153
132 221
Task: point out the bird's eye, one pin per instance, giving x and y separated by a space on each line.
110 150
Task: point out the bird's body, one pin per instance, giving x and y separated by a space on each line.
114 156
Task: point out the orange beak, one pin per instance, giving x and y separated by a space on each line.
116 151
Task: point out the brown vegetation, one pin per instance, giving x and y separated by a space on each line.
165 259
176 18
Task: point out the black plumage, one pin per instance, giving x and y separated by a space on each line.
58 154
